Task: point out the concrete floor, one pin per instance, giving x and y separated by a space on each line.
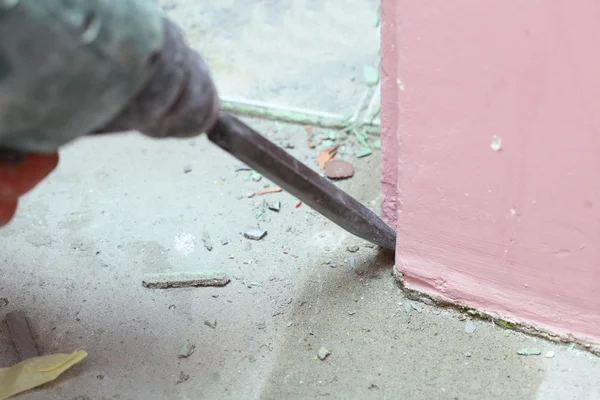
121 206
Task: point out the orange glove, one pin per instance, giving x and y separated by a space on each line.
16 179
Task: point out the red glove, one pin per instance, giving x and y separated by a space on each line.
16 179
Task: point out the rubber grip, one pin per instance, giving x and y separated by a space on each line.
11 156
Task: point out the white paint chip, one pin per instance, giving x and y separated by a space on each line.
549 354
400 84
496 144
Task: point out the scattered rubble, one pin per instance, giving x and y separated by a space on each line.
184 279
323 353
211 323
207 242
339 169
255 233
529 351
363 152
182 378
268 190
186 350
274 206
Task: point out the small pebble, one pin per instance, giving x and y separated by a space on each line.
255 233
468 354
323 353
211 323
187 169
352 249
186 350
549 354
529 351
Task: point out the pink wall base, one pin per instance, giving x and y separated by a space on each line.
514 232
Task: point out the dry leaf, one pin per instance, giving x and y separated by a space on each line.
268 190
325 156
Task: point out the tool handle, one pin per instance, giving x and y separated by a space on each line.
11 156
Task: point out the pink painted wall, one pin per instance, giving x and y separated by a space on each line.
515 232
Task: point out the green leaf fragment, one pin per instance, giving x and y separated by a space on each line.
505 324
370 75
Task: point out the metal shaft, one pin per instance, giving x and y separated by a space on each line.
320 194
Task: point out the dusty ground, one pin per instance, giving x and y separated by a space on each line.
121 206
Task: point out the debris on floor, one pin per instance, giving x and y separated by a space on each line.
207 242
352 249
168 280
370 75
470 327
274 189
417 307
182 378
255 176
211 323
339 169
255 233
186 350
323 353
549 354
275 206
362 152
36 371
325 156
529 351
187 169
33 370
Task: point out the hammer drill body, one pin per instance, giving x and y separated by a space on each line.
70 68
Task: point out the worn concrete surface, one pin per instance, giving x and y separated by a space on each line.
121 206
